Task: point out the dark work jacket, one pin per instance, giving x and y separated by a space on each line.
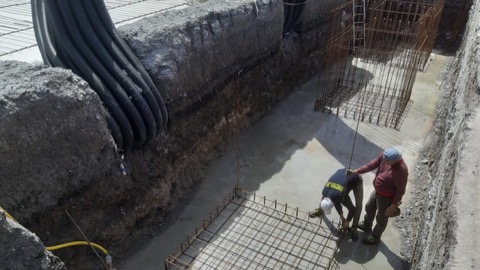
335 187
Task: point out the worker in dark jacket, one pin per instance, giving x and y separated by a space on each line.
335 193
389 186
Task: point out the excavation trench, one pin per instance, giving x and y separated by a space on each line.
241 96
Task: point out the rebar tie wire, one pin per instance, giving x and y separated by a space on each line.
86 239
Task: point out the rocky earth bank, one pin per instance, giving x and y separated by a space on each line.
220 66
441 219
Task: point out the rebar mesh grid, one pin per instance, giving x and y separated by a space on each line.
253 232
372 59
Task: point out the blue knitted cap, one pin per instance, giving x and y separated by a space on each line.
392 154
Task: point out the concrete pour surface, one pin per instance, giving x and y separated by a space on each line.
290 153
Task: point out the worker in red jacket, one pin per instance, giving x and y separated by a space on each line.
389 186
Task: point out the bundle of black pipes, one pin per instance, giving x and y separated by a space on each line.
80 35
292 13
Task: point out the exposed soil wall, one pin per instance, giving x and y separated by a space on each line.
220 66
437 221
20 249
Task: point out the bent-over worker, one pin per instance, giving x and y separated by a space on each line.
336 192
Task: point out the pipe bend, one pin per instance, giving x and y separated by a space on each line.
78 243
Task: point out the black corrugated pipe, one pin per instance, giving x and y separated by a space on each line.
81 61
123 135
101 9
42 34
73 58
76 36
102 39
293 11
287 13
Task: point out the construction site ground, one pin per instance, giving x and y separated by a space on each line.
288 156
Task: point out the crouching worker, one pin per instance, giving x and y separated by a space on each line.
336 192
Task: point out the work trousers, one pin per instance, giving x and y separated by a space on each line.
354 211
375 208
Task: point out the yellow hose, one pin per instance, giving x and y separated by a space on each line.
77 243
69 244
6 213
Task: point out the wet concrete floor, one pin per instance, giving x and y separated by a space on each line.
288 156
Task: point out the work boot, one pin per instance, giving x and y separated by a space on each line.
317 213
364 228
354 234
371 240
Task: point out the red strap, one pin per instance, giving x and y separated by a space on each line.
384 194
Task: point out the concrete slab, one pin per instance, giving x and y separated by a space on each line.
249 231
289 155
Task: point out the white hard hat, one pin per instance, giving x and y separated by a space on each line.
326 204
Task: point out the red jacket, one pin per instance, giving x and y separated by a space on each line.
390 180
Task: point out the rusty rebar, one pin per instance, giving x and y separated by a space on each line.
86 239
254 232
398 39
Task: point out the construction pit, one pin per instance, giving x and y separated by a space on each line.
263 107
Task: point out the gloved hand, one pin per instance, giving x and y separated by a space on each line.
344 224
350 172
392 211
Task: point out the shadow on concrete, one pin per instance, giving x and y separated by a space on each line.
263 150
285 142
330 225
397 262
338 139
347 81
359 253
263 157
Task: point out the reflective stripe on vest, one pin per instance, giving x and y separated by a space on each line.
334 186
